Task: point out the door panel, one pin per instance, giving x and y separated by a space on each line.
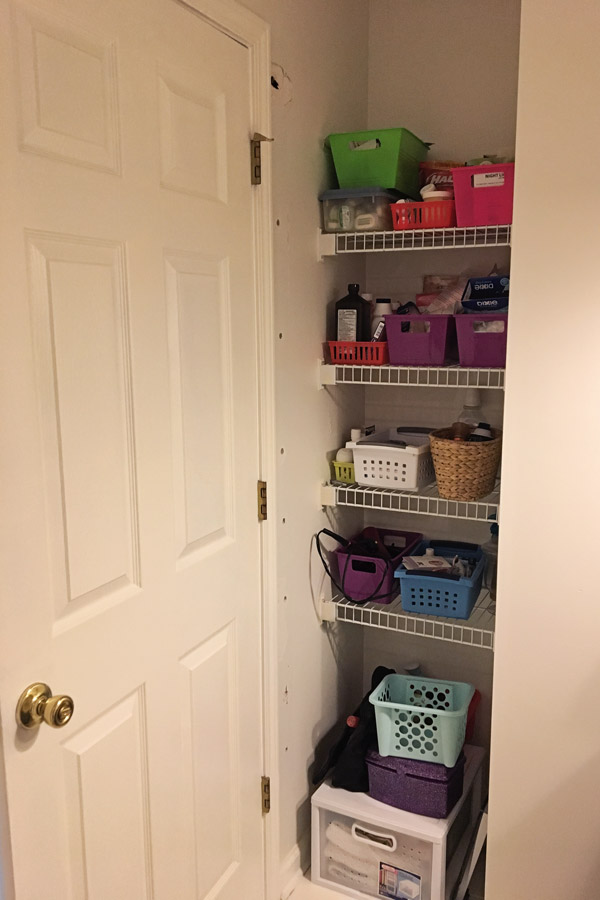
81 333
201 376
130 538
213 744
106 778
68 91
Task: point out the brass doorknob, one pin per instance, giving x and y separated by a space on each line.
36 705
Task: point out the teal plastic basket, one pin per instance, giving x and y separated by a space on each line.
421 718
388 158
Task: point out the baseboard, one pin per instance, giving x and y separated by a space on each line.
294 865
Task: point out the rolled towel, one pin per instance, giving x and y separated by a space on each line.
363 863
360 881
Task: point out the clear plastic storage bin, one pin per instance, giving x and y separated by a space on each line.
357 209
365 848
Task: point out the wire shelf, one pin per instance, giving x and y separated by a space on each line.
423 239
426 502
476 631
413 376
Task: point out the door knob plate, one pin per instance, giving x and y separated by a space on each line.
36 705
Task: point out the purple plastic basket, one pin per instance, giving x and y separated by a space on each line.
480 348
425 788
360 576
431 348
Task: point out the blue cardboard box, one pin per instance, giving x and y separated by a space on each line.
488 294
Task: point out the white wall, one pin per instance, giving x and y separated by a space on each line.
544 810
447 71
323 49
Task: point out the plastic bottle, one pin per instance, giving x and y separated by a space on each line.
383 307
490 548
471 413
344 456
353 317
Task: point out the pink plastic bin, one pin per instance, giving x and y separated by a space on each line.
481 348
361 577
432 348
484 194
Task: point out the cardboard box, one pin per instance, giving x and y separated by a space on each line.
486 295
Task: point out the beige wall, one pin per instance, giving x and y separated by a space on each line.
544 809
323 49
447 71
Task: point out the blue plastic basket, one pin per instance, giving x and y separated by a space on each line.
437 596
421 718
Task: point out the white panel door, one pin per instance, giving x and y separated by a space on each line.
130 541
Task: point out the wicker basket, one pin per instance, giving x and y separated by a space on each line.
464 470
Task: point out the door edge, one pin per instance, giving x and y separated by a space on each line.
254 33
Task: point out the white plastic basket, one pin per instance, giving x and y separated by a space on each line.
397 459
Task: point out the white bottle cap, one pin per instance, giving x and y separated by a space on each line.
429 551
355 434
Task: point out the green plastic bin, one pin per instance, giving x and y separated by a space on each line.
389 158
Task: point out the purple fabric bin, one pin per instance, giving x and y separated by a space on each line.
431 348
425 788
360 576
481 348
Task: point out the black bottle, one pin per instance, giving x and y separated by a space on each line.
353 316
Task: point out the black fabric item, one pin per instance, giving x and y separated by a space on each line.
347 757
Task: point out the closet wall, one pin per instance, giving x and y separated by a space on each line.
545 818
341 65
312 44
448 72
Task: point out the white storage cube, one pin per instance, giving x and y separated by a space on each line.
365 848
381 461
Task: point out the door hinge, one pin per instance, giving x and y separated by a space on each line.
261 496
265 793
256 157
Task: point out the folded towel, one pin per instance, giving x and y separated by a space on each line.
357 880
347 853
360 863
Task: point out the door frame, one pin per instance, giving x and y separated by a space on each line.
253 33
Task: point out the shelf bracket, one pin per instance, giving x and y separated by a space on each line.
328 495
326 375
325 245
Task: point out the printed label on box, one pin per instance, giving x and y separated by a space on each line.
488 179
398 884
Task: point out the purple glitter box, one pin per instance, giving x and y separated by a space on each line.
425 788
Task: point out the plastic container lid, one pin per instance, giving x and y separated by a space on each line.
344 193
438 195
